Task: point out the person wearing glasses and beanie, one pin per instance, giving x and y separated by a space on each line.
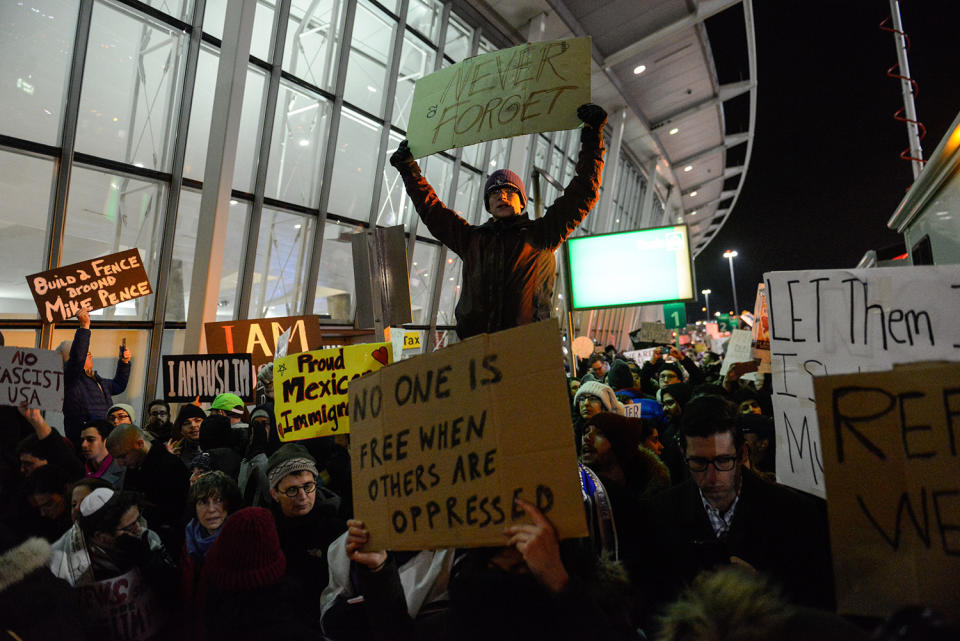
508 262
724 514
306 515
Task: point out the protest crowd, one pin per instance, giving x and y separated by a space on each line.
205 521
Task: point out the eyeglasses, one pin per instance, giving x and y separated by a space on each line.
588 398
159 413
721 463
135 528
294 490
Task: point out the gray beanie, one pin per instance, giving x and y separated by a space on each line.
604 393
289 459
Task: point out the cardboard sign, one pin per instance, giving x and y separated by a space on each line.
31 376
186 377
259 337
655 333
310 389
640 356
442 443
122 608
761 331
846 321
739 349
893 476
61 293
527 89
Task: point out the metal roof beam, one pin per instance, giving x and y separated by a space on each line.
728 91
728 141
705 9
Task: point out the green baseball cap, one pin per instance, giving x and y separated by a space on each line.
228 403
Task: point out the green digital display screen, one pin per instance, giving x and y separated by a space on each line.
630 268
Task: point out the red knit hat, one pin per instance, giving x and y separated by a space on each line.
247 553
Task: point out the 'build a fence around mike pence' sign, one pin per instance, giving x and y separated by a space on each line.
441 444
61 293
529 88
310 389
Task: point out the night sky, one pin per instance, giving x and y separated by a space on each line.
825 174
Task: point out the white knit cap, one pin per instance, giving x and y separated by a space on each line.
604 392
95 500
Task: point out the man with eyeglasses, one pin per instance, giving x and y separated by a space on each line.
508 262
305 513
725 514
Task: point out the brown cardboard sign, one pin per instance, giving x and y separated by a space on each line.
258 337
443 443
63 292
890 443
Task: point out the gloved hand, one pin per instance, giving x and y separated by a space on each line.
402 155
593 115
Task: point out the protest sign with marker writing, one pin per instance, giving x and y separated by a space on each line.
846 321
443 443
310 389
63 292
31 376
892 473
124 607
186 377
530 88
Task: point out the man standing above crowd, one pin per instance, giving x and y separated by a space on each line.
508 262
724 514
86 395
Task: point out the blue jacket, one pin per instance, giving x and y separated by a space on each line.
84 397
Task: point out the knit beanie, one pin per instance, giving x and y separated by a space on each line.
188 411
126 408
258 412
619 376
289 459
624 433
504 178
679 391
604 392
671 366
247 553
647 409
215 431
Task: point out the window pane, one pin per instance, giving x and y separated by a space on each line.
104 344
214 14
499 154
416 61
469 200
36 43
131 88
184 247
473 154
313 40
282 257
336 291
354 166
297 147
108 213
395 207
201 114
459 36
20 338
449 290
421 283
424 16
179 9
25 183
369 53
439 171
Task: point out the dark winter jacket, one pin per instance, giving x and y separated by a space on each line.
164 482
86 398
305 539
508 264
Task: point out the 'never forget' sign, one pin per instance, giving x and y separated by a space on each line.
443 443
63 292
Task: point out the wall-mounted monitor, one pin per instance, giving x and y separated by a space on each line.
630 268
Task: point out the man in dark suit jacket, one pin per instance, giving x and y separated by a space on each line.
725 514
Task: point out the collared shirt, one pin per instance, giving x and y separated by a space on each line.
91 472
719 522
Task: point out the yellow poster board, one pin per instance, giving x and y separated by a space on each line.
530 88
310 388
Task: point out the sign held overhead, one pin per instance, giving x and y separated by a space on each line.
61 293
186 377
31 376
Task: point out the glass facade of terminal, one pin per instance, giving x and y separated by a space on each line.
103 146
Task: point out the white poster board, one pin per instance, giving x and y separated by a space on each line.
846 321
31 376
739 349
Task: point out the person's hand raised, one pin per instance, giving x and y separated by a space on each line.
84 317
402 155
592 115
539 547
357 537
